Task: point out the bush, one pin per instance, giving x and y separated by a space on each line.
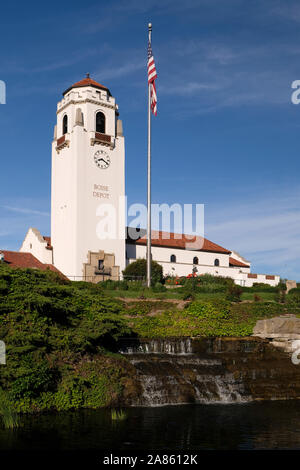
34 376
113 285
158 287
294 296
187 295
234 293
280 296
51 328
138 270
212 309
294 292
262 287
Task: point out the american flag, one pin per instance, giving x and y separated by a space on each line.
152 75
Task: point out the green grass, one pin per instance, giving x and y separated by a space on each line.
118 415
10 418
265 296
239 321
147 294
177 294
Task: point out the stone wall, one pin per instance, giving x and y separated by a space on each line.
93 273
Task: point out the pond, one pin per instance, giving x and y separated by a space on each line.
263 425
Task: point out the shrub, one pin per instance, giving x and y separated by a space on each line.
234 293
138 270
213 309
158 287
3 287
210 279
280 296
262 287
33 378
294 292
188 296
294 296
113 285
135 285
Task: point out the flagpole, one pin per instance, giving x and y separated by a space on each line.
149 179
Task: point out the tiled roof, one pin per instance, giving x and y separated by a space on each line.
181 241
17 259
235 262
87 82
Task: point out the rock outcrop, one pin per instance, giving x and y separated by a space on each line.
282 331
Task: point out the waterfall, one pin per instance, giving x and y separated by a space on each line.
181 346
182 370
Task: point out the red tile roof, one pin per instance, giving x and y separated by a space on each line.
235 262
181 241
87 82
17 259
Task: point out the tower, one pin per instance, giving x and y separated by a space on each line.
88 184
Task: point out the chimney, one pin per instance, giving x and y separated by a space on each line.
1 256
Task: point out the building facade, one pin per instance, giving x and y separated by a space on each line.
88 183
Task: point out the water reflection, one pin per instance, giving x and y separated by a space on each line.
272 425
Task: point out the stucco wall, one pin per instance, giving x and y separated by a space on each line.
77 183
35 244
184 264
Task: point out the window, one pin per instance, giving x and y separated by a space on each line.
65 125
173 259
195 260
100 264
217 262
100 122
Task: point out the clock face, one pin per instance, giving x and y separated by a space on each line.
102 160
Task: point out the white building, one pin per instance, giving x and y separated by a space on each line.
88 174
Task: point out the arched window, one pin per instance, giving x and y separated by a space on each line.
173 259
100 122
65 125
217 262
195 260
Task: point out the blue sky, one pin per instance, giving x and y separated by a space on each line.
226 135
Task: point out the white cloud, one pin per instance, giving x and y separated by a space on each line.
265 230
109 73
24 210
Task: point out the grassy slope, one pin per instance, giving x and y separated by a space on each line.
174 294
201 319
60 335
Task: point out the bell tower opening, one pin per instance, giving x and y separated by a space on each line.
100 122
65 125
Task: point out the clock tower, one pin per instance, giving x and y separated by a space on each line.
88 184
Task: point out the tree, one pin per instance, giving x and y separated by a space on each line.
138 270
